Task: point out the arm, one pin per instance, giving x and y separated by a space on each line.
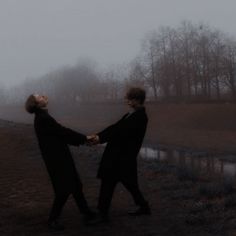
107 134
50 127
132 128
102 137
110 132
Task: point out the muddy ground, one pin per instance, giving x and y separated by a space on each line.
183 203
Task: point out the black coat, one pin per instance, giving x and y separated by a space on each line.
124 140
53 142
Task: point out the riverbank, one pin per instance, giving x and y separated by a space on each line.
204 127
209 127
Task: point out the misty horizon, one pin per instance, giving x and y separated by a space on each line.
40 37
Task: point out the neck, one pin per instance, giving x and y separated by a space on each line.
42 109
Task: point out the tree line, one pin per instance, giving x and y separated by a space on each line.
187 63
82 82
192 62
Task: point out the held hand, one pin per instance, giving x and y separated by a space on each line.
93 139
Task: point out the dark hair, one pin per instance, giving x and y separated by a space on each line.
31 104
136 93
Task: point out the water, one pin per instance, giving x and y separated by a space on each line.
194 160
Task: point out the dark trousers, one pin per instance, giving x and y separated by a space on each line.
107 189
61 198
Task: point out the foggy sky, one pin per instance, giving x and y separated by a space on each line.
40 36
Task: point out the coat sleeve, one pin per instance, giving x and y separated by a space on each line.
133 129
107 134
137 128
51 127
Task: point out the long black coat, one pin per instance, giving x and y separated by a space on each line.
124 140
53 141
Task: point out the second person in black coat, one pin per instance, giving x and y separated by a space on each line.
119 160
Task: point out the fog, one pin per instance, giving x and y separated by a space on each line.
41 36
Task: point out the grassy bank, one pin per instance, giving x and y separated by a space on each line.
199 126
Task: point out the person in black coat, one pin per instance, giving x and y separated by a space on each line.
53 140
119 160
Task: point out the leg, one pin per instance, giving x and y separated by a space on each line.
59 202
105 196
77 192
133 188
80 198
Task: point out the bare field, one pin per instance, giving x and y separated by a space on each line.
181 205
197 126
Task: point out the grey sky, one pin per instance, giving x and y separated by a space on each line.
39 36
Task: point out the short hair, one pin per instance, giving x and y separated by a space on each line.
31 104
136 93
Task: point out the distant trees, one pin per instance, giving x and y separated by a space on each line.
192 62
188 62
74 84
3 94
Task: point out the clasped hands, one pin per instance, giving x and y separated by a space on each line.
93 139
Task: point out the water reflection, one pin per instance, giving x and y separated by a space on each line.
194 160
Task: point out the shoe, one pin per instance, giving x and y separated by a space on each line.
141 211
98 219
90 218
103 218
55 226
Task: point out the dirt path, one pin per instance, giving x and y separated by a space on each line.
178 207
